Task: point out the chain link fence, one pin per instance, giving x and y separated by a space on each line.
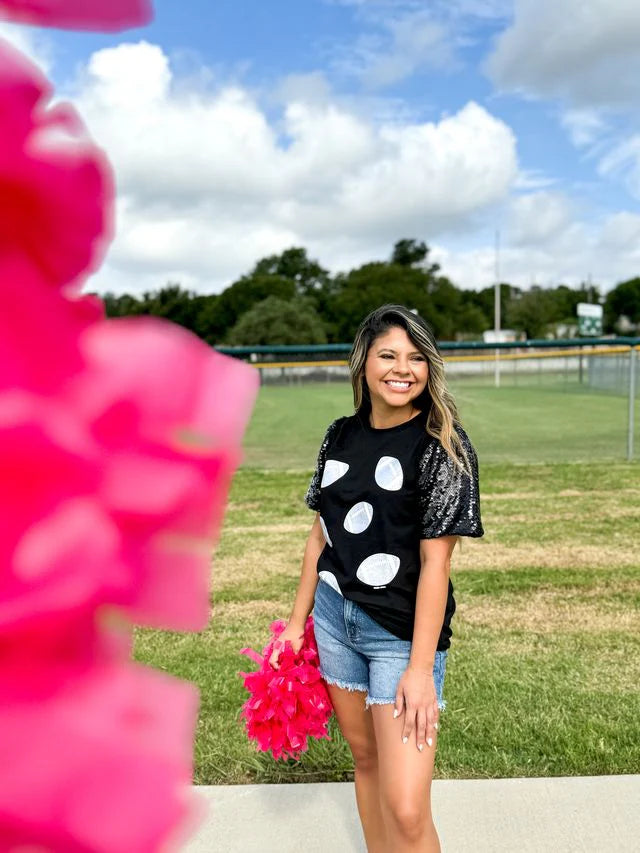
563 392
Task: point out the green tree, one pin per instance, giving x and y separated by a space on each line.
366 288
278 322
243 294
294 265
411 253
532 312
484 300
121 306
623 300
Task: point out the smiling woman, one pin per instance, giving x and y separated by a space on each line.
396 374
395 486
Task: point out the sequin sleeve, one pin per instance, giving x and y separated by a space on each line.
449 500
312 498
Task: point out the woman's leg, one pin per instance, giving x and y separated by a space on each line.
405 776
357 727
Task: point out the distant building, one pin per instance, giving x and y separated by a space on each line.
503 336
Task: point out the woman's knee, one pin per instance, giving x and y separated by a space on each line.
409 819
365 755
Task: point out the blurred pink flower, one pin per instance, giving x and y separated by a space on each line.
56 187
167 412
113 490
119 440
99 762
104 15
40 330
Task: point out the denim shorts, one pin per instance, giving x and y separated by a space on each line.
357 653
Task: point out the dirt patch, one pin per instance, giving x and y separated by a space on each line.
252 611
551 611
290 527
258 563
231 506
565 493
491 555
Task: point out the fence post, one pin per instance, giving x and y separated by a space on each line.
580 363
632 402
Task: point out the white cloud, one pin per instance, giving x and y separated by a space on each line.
623 162
621 233
208 183
539 218
587 53
585 127
414 42
607 251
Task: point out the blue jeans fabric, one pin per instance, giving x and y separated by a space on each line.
357 653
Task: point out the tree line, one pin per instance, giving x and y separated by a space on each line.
290 299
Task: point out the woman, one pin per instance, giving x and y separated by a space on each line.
395 486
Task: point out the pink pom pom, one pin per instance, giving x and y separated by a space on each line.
111 16
290 704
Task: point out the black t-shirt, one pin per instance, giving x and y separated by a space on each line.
379 492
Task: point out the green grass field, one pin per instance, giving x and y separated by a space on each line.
543 672
552 422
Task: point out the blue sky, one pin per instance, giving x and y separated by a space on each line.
239 129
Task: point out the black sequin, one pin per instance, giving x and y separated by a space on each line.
312 498
449 499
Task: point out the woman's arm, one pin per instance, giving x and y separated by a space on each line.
308 582
431 600
305 594
416 691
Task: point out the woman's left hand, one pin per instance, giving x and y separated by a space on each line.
416 695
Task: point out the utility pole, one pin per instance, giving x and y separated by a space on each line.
496 310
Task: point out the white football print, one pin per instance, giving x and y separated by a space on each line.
333 470
325 532
378 569
359 517
389 474
331 579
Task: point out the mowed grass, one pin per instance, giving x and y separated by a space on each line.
550 422
543 673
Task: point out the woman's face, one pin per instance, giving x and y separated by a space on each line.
395 371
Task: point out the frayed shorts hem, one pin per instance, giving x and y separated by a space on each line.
346 685
363 688
369 701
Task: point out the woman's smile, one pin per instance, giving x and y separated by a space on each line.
398 384
396 373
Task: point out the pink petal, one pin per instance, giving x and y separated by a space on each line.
187 394
45 458
102 764
46 577
39 348
55 198
104 15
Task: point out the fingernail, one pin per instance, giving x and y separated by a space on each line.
429 741
396 713
405 739
421 746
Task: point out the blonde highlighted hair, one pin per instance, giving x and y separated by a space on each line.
436 399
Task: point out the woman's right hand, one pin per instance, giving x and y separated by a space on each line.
293 633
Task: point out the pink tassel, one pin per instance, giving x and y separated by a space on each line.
290 704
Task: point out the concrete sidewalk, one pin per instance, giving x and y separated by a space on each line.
582 814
